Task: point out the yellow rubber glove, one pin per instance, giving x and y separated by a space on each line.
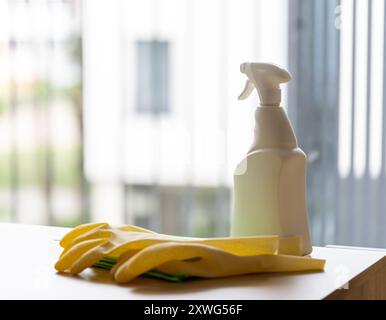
139 250
87 244
206 261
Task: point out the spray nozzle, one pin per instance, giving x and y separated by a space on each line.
266 78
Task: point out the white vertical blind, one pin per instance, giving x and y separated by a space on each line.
360 87
345 97
360 202
376 88
367 70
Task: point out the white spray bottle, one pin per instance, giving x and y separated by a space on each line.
270 182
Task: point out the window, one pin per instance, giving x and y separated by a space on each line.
152 77
80 135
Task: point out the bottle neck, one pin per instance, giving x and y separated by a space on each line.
272 129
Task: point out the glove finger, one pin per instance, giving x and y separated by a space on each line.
222 264
91 235
79 230
87 259
153 256
122 259
66 260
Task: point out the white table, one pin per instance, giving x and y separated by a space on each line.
28 254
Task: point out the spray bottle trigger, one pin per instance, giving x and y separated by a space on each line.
249 86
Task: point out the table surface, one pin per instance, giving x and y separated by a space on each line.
29 253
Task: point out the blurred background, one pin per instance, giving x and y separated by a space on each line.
127 111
